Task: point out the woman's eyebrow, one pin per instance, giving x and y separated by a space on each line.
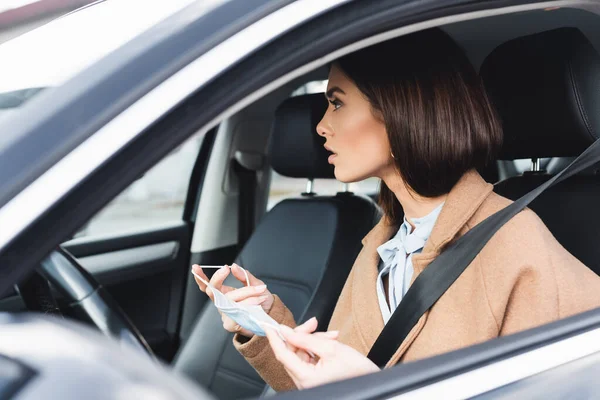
330 92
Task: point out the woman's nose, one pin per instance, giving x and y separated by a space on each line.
321 127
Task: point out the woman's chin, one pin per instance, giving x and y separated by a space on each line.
344 176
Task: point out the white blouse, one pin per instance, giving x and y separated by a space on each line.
396 256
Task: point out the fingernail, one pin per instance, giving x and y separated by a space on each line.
332 333
260 288
313 318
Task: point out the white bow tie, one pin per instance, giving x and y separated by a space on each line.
409 244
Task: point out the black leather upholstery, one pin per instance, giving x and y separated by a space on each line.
545 87
295 149
303 249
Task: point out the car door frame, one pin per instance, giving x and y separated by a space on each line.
179 124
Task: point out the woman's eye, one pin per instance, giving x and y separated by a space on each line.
336 104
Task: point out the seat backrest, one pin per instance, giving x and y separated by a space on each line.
545 87
303 249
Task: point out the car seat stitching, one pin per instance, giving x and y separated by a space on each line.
579 101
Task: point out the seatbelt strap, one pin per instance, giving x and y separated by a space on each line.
246 166
433 282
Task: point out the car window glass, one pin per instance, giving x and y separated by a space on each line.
155 200
523 165
310 88
283 187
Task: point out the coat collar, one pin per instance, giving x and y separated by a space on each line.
461 204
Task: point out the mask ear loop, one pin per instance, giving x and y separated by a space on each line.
201 279
246 275
206 283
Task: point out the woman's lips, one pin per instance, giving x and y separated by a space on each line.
331 156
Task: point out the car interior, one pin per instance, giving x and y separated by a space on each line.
303 247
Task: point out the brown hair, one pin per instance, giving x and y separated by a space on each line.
439 120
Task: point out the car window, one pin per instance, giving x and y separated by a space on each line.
283 187
526 164
155 200
310 88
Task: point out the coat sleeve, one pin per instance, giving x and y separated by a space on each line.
259 354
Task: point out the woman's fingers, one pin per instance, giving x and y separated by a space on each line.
201 279
302 355
306 355
246 292
218 277
238 272
198 271
254 301
233 327
295 366
332 335
308 327
226 289
321 346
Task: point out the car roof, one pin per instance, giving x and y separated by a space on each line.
51 54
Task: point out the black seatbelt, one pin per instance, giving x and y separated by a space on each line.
433 282
246 166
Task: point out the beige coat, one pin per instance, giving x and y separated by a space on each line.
521 279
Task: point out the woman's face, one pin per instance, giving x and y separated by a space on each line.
357 139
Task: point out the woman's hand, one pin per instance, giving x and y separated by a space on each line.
309 326
254 294
336 361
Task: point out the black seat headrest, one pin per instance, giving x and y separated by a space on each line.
546 88
296 150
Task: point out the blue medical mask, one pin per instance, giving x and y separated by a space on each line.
248 317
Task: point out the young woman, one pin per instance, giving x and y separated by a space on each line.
413 112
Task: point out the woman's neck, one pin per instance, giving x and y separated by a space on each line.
414 205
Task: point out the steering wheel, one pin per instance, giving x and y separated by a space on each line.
86 298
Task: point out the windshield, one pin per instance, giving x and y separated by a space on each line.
53 53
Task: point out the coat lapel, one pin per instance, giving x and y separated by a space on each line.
461 204
365 305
